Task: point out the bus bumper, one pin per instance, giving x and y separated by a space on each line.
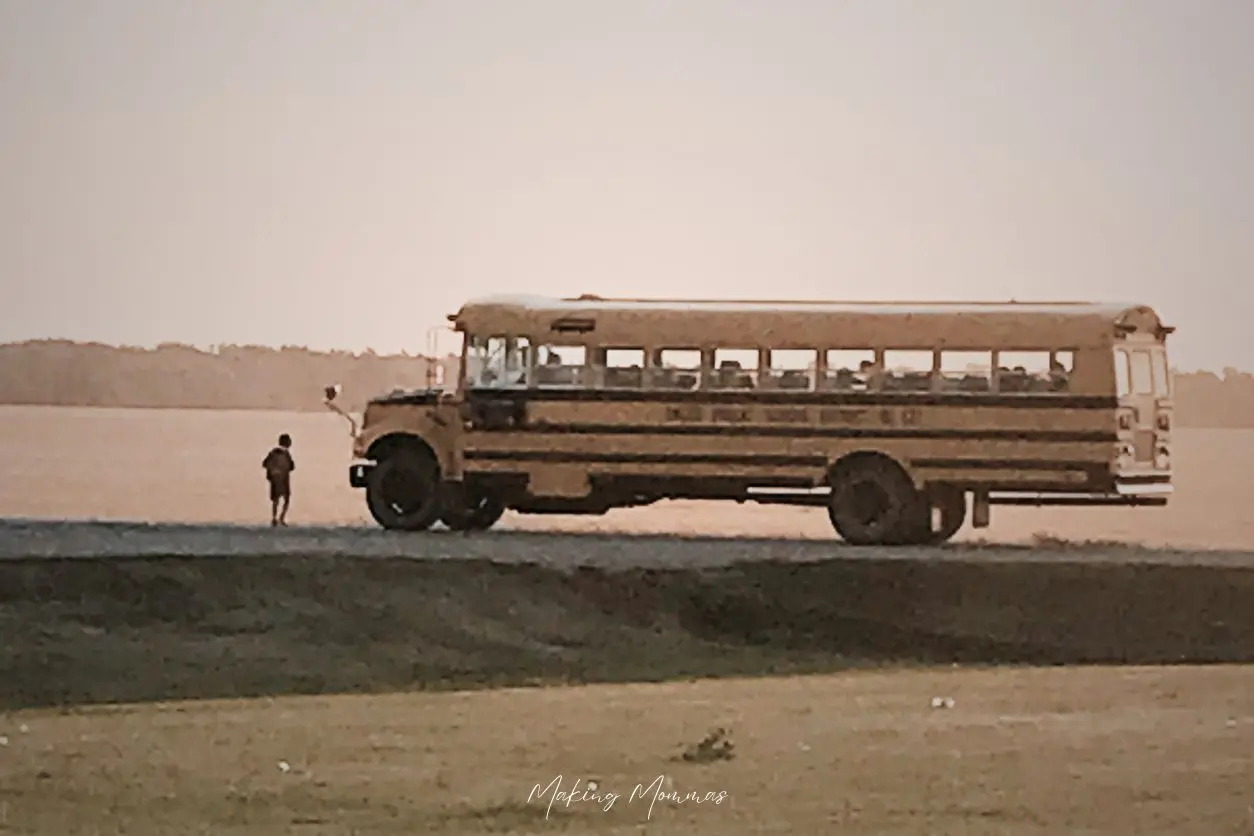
1158 484
1146 490
357 474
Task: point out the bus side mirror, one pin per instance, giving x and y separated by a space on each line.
330 393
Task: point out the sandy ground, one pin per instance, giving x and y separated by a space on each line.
204 466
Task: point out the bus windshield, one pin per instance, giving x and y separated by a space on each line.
496 362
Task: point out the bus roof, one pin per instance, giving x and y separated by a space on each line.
806 323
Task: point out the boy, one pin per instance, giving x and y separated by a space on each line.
279 465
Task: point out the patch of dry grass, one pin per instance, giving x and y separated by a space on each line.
1043 541
1052 542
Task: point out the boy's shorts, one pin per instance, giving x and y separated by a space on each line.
280 489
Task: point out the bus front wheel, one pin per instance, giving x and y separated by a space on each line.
402 491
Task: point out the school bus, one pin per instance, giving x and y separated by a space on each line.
898 418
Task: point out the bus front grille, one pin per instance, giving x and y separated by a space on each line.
1143 443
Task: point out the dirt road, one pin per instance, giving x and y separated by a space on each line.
36 538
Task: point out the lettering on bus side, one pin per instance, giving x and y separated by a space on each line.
685 412
729 414
843 415
907 417
787 415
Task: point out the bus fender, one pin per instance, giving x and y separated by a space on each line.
861 455
398 441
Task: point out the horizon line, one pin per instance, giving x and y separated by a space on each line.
213 350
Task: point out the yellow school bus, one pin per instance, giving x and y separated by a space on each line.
898 418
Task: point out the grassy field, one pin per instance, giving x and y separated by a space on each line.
114 674
1079 750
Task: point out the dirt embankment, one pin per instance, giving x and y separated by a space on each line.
63 373
83 630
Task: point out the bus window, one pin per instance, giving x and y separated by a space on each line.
561 365
735 368
966 371
1123 385
850 369
624 368
1142 373
677 368
517 356
1162 375
1061 365
907 371
793 368
1023 371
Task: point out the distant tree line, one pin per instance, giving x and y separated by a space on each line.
1205 399
63 373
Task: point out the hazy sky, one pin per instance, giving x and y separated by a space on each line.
344 173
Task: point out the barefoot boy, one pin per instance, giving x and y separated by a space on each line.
279 465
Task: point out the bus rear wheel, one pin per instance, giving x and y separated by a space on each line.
479 513
871 502
939 514
402 491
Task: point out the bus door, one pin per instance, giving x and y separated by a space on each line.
1144 389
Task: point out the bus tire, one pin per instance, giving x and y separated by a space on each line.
403 490
922 529
479 514
951 504
871 500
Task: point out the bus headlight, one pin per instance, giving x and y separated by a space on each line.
1164 422
1162 459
